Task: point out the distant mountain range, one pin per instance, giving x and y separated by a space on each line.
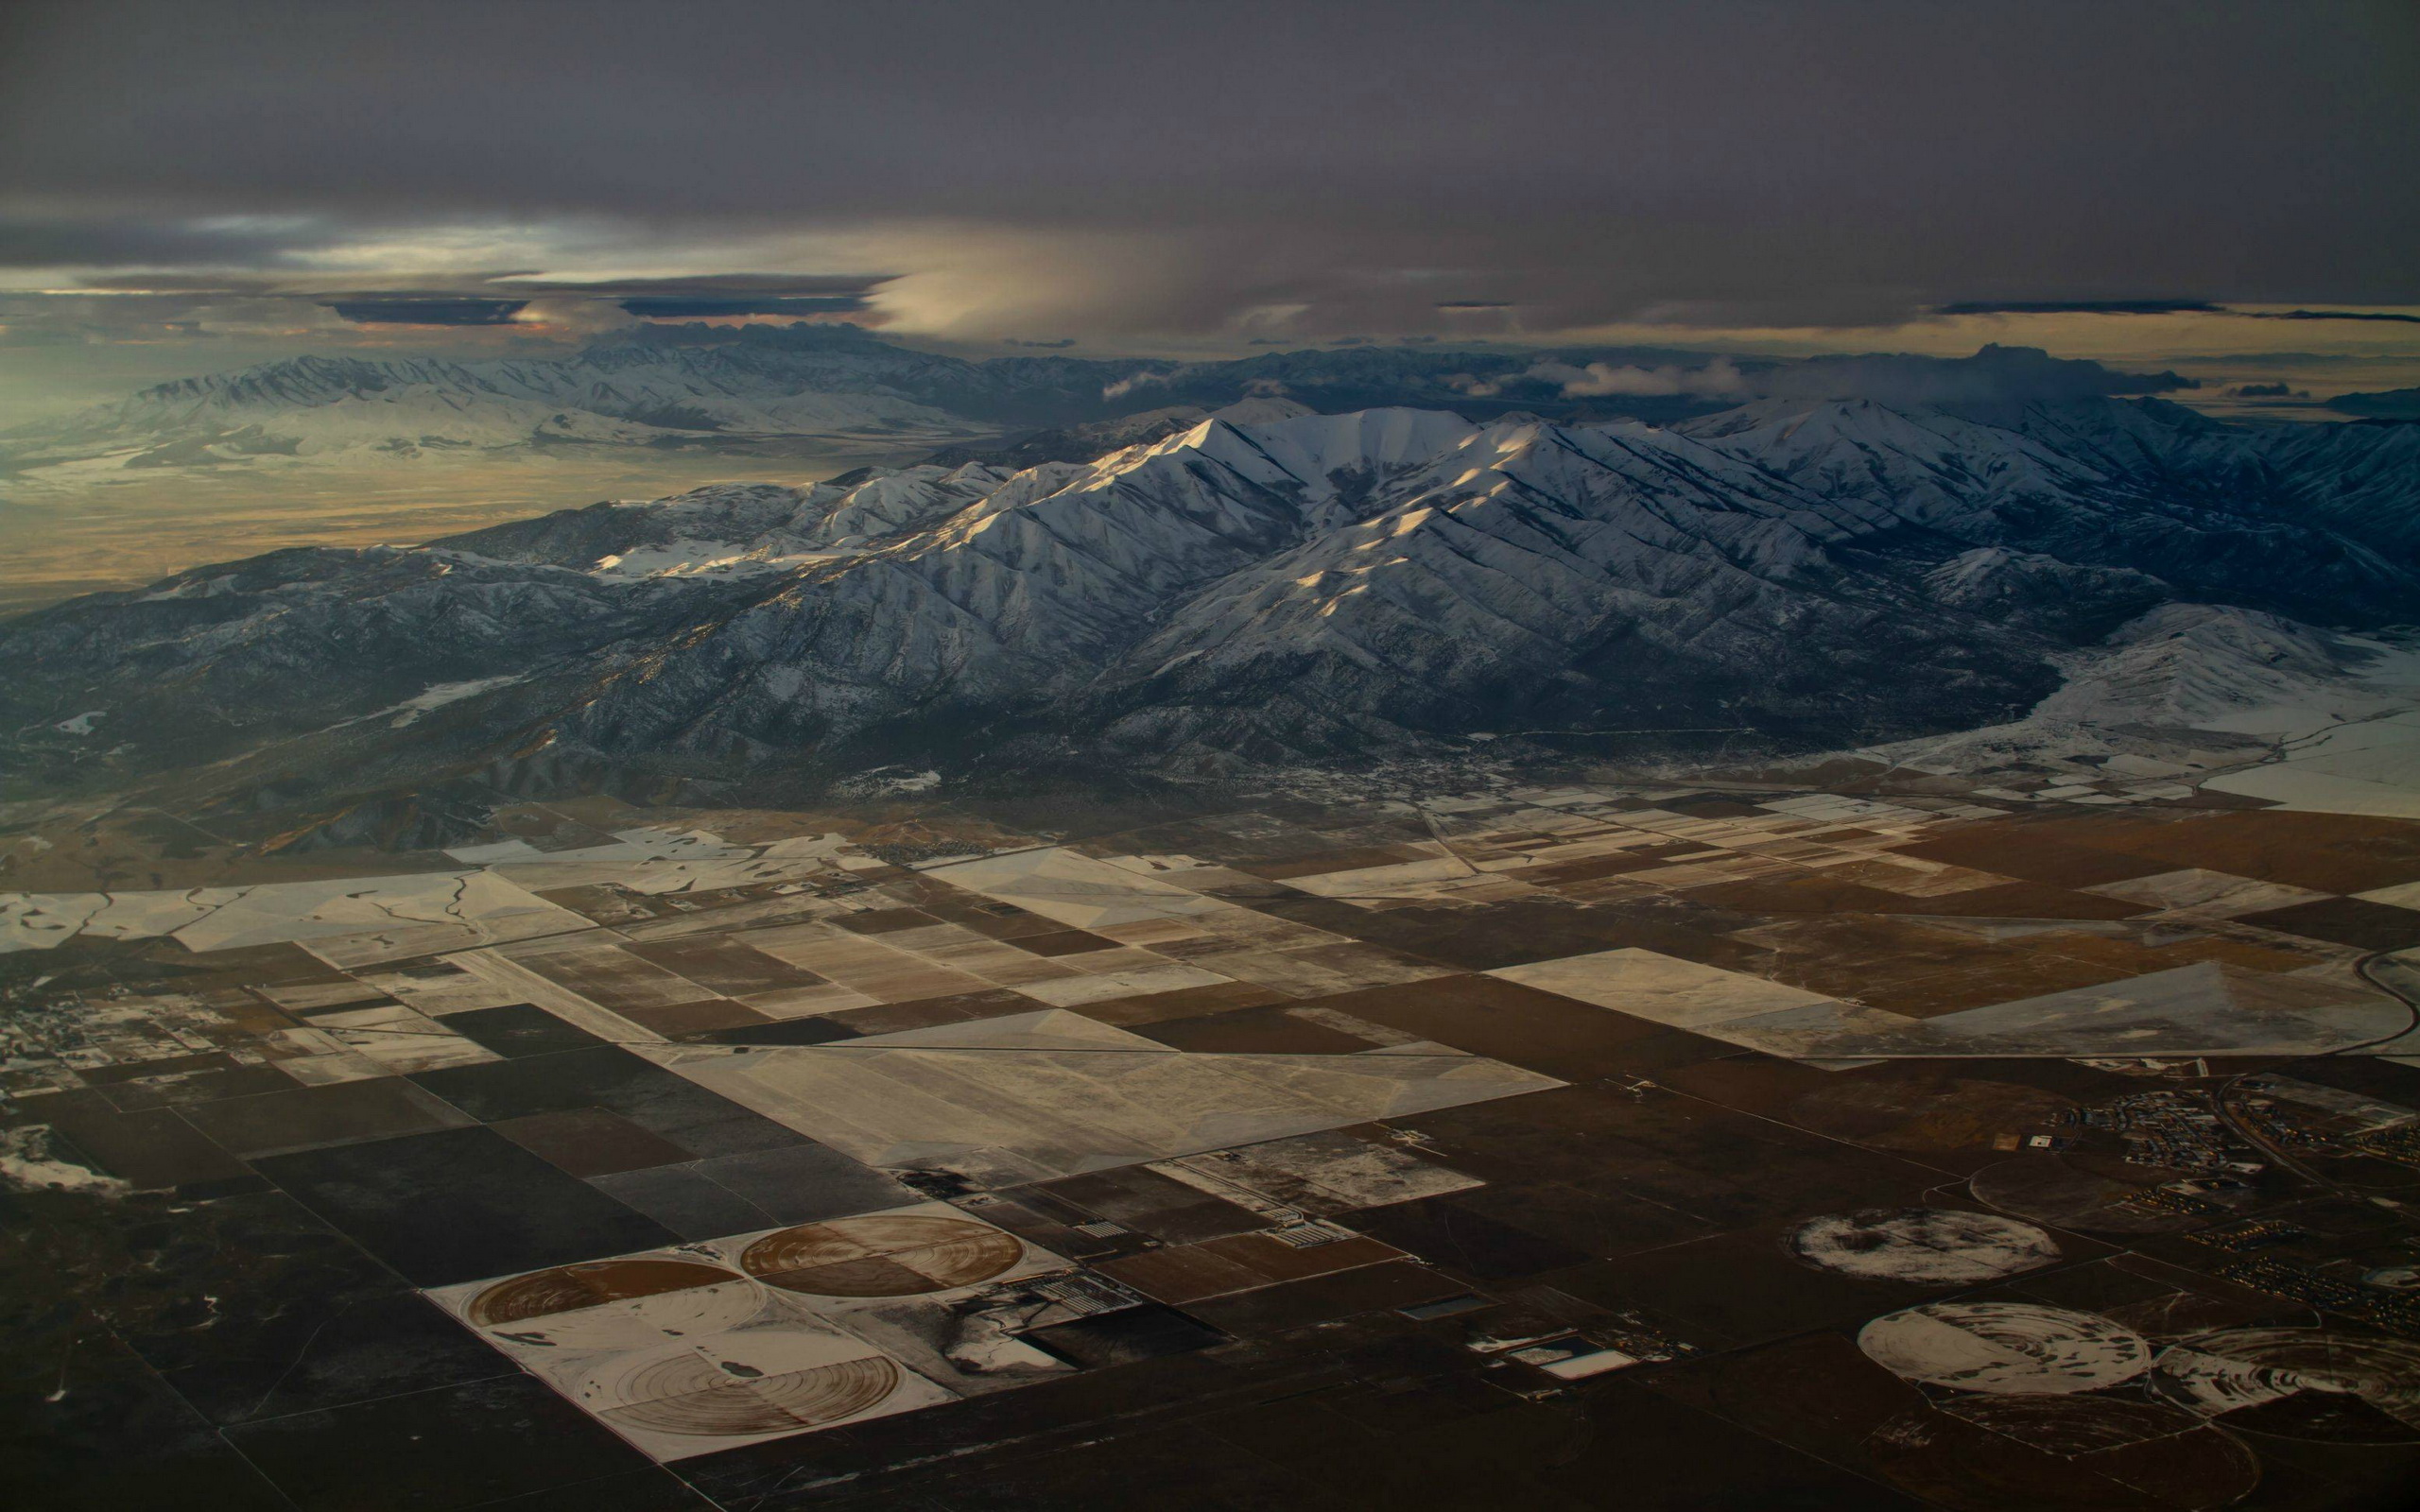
809 391
1266 586
2391 403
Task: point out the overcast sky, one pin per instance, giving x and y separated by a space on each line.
1138 175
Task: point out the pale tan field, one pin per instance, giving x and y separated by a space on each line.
55 542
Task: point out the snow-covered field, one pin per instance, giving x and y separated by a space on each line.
356 921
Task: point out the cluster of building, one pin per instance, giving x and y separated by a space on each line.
2173 1129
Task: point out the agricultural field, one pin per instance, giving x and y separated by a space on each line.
1884 1149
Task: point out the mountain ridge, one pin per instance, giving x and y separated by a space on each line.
1811 575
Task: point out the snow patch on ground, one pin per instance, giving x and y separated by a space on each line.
887 782
353 921
30 1158
692 558
438 695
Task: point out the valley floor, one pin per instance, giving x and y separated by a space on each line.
114 528
1612 1143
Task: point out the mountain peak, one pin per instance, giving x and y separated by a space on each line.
1262 410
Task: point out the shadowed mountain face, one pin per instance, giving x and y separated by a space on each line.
1809 573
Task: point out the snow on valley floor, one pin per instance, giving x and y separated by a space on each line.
359 922
662 934
2371 766
2223 701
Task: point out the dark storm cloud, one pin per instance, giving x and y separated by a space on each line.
2159 307
2081 307
718 296
709 285
427 312
126 241
707 307
1354 163
2331 315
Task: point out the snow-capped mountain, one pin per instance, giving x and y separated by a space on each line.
1802 573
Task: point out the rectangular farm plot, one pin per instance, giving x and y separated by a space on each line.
684 1019
607 975
1677 993
1835 890
1913 967
990 917
883 1019
399 1039
384 919
1137 981
863 963
343 923
2204 1009
1240 1262
2322 852
1066 942
1253 1031
2351 922
313 997
1033 1096
1108 958
720 963
441 1206
1405 879
1075 889
1140 1199
807 1002
1152 933
953 947
2213 893
1909 877
2325 853
1490 1015
2032 853
317 1116
1323 1174
1321 970
441 986
1358 861
1183 1002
